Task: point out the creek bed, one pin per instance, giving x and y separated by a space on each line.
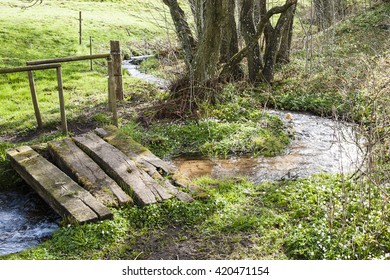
319 145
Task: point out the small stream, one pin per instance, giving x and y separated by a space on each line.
319 145
132 67
25 220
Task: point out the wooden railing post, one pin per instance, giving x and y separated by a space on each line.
112 93
80 29
117 68
62 102
90 50
34 99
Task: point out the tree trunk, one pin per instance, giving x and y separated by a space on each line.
272 40
237 58
327 12
183 30
197 8
248 31
283 55
205 64
229 43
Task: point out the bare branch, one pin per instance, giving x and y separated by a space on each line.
32 3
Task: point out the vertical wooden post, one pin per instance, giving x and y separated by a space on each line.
111 93
90 49
117 68
34 99
111 84
62 102
80 28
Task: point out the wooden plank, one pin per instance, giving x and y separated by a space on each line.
123 170
148 162
82 169
134 150
66 197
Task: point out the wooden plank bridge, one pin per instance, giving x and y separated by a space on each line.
89 173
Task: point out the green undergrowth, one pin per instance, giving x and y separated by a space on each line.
343 71
235 126
322 217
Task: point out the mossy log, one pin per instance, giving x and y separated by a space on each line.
82 169
65 196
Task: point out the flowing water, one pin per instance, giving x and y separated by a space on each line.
25 220
132 69
319 145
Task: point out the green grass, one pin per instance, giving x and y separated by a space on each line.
235 219
51 30
235 126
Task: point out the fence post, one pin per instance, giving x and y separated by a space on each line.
62 102
34 99
111 93
117 68
90 49
80 28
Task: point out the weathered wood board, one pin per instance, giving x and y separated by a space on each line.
123 170
147 161
135 151
65 196
87 173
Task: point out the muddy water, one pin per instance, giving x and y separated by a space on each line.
319 145
25 220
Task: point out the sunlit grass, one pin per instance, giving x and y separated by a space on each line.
51 30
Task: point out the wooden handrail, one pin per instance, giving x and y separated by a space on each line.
29 68
69 59
115 79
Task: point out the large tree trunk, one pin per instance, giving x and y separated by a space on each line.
248 31
206 60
